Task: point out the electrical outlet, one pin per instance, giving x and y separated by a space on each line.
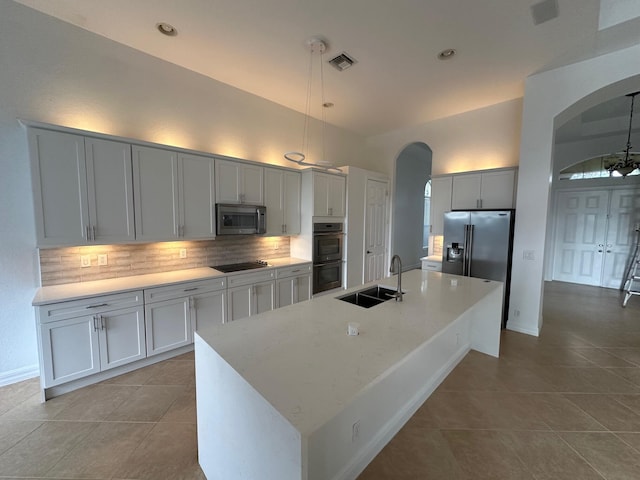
355 431
85 261
183 253
102 259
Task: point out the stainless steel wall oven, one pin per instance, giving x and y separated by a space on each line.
327 256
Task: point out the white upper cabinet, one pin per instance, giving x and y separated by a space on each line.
155 176
440 202
238 182
282 199
329 195
492 189
196 196
82 187
174 195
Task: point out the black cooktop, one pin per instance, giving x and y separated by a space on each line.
237 267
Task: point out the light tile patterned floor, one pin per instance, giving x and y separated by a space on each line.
565 405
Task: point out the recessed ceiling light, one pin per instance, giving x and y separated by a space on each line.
446 54
167 29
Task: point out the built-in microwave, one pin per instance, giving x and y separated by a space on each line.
240 219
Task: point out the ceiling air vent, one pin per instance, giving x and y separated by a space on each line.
342 61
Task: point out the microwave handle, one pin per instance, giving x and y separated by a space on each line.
262 228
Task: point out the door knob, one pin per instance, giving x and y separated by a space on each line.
369 251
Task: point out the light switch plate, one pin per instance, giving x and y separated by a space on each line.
183 253
102 259
85 261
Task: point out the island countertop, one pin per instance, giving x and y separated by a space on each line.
300 359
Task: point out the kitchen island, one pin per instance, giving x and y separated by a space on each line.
287 394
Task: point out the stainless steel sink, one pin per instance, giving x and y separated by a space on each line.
370 296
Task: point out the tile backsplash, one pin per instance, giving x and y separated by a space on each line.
63 265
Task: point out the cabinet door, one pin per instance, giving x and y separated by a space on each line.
497 189
197 198
336 200
155 176
168 325
466 191
209 309
291 203
60 187
69 349
110 190
440 202
320 194
263 297
301 288
284 292
274 201
227 175
252 189
240 302
122 337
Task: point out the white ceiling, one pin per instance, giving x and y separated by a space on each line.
259 46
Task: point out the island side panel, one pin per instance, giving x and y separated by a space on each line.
386 405
240 435
486 323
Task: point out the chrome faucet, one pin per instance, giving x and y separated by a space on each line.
391 270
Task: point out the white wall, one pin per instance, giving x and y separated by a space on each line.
56 73
479 139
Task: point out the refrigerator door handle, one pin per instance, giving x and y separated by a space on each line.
470 248
465 251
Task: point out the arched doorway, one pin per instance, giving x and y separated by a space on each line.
413 171
551 98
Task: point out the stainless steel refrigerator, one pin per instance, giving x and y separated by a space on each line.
479 243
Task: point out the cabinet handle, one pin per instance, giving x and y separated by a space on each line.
285 228
95 323
87 234
295 271
93 233
192 289
98 306
102 322
330 210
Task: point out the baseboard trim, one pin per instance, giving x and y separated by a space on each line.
520 328
19 375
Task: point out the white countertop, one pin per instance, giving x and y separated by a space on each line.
300 359
76 291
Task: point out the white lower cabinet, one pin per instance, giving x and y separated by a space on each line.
173 313
250 293
83 337
293 285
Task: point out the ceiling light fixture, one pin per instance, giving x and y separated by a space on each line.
447 54
166 29
317 47
626 164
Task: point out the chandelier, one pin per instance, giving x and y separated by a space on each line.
625 162
317 47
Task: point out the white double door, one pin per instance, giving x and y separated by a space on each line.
595 234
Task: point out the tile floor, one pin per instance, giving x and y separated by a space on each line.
565 405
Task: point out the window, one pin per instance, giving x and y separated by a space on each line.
426 224
594 168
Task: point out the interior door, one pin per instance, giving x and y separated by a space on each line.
624 217
375 230
581 224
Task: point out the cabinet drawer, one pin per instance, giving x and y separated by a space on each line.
250 278
77 308
293 271
184 289
431 265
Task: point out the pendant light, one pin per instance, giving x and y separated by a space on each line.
317 47
627 164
